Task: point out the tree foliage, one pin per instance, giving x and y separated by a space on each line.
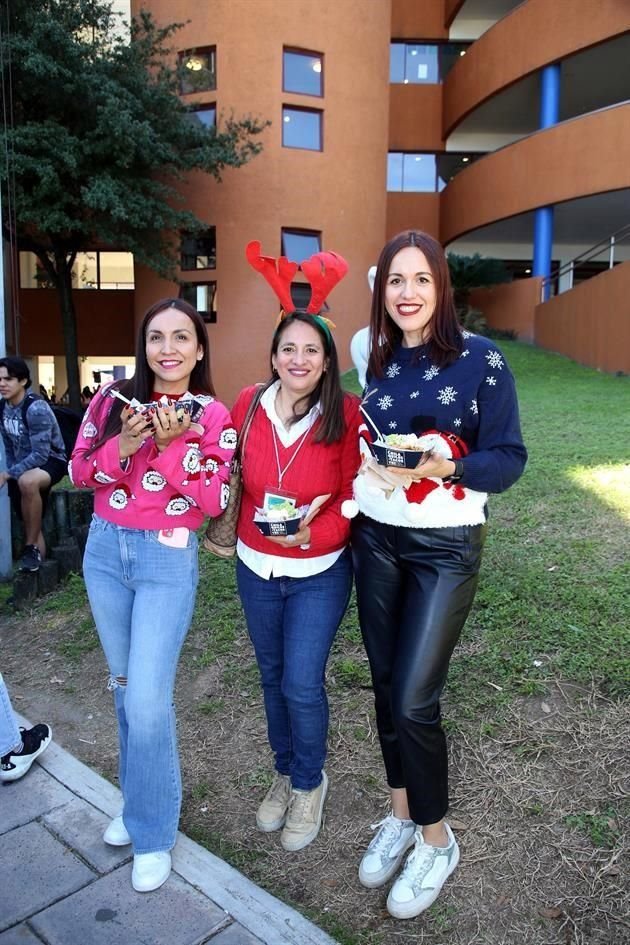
473 272
98 140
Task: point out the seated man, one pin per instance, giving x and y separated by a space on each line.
35 454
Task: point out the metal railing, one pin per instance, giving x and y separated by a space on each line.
561 280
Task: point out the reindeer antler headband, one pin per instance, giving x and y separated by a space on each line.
323 271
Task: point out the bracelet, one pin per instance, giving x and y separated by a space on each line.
457 473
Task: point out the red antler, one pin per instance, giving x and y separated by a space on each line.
277 273
323 271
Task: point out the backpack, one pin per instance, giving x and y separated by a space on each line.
69 420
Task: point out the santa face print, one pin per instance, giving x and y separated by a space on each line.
410 295
172 350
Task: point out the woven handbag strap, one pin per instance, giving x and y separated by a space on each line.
249 416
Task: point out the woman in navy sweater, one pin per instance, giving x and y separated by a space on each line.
417 543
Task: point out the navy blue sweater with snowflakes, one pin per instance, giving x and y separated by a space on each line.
473 399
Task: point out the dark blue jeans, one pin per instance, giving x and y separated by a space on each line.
292 623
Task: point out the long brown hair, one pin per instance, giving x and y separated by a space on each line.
445 341
328 392
142 384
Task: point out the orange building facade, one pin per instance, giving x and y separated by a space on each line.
388 114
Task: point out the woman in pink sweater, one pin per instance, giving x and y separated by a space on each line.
302 447
156 472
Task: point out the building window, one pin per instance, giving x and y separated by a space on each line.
203 296
302 128
91 270
199 250
302 72
298 245
425 173
205 115
413 63
197 70
301 294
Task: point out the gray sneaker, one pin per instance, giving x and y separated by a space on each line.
386 851
272 812
425 872
304 817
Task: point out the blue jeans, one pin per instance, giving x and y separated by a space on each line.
142 595
10 737
292 623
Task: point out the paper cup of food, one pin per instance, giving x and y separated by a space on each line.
278 523
402 451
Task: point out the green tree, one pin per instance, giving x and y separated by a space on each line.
98 141
473 272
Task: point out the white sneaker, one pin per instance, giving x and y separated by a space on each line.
425 872
116 834
150 870
304 817
386 851
272 812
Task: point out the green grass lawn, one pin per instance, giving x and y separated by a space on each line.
553 598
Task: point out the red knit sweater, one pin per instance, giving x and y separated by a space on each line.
318 468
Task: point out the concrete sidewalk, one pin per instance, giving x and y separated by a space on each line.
61 885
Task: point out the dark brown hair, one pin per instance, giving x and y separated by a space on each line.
142 384
445 341
331 426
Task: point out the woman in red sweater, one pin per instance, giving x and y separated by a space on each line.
302 446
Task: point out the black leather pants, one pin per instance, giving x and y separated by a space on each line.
415 587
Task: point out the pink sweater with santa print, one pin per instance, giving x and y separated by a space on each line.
177 487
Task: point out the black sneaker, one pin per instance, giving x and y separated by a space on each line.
34 741
31 559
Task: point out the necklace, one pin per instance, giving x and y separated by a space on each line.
301 442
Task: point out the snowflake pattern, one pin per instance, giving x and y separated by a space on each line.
491 381
467 334
494 359
385 402
414 394
393 370
465 353
431 372
392 424
447 395
474 408
457 422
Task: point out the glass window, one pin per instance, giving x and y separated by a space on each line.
32 273
206 115
425 172
199 250
197 70
301 294
302 128
85 271
413 63
411 172
298 245
302 72
115 271
203 295
91 270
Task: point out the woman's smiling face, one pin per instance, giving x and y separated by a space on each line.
300 359
172 350
410 295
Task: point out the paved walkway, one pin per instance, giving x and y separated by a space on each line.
61 885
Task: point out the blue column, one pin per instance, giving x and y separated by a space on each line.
543 219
